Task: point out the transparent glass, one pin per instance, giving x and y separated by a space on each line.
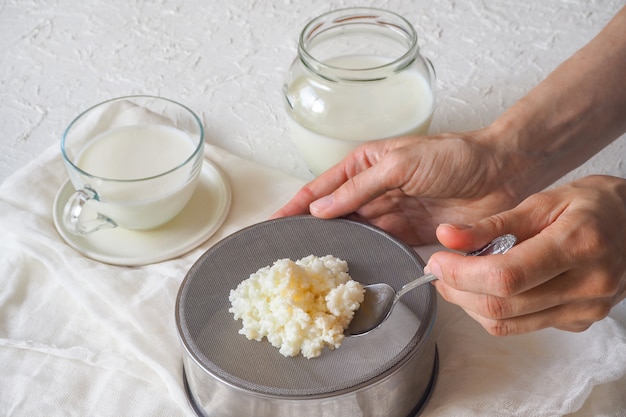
134 162
358 76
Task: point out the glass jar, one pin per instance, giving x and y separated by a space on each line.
358 76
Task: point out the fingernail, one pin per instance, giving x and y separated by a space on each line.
321 204
433 268
457 226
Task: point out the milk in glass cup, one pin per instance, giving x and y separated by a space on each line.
133 161
358 76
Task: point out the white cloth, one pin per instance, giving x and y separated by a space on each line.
82 338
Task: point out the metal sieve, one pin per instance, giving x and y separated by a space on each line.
229 375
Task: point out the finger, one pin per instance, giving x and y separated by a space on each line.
321 186
580 298
537 257
320 197
525 266
460 237
358 190
517 325
298 204
575 317
524 221
563 289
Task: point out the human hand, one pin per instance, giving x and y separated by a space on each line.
567 272
408 185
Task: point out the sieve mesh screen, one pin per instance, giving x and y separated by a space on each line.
210 333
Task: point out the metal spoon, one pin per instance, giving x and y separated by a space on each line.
380 298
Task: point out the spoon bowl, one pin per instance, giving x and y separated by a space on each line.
379 299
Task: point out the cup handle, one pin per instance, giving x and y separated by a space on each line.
73 214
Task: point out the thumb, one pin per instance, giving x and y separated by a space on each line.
466 238
469 237
523 221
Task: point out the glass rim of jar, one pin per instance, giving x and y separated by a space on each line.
192 159
378 17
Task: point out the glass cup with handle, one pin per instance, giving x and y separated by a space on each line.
133 161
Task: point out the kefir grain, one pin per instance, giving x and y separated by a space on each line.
300 307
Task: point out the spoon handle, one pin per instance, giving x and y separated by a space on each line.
413 284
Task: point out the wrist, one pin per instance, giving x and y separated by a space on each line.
574 113
517 170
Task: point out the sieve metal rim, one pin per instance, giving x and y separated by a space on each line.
413 348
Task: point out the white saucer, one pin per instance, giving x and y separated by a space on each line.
202 216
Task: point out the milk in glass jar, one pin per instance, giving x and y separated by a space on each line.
358 76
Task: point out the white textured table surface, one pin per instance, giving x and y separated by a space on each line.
226 60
